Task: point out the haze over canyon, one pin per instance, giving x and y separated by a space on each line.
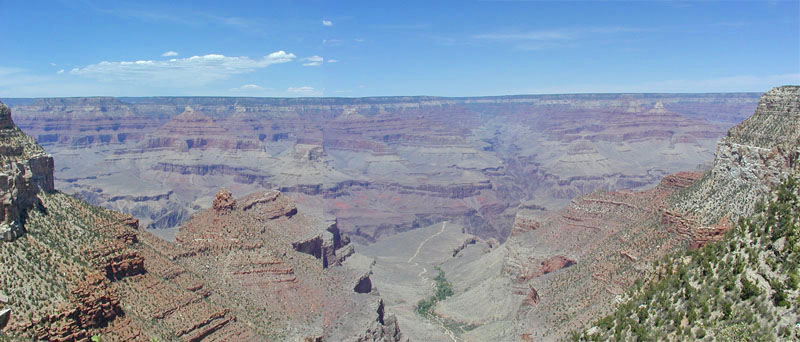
379 165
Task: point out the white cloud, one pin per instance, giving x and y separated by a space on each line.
195 70
60 72
333 61
332 42
169 54
52 64
249 87
313 61
304 91
251 90
327 23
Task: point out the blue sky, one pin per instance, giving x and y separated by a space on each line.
372 48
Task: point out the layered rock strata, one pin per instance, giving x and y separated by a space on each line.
380 165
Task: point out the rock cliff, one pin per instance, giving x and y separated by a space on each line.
755 156
25 170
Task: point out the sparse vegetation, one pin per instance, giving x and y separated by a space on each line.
743 288
443 290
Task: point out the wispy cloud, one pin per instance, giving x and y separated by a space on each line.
186 17
313 61
145 15
304 91
249 87
333 61
198 70
550 38
169 54
332 42
4 71
725 84
17 82
533 35
251 90
401 27
327 23
61 71
555 34
239 23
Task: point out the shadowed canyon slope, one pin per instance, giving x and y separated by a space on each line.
380 165
248 269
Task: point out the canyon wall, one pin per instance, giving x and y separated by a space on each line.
561 269
380 165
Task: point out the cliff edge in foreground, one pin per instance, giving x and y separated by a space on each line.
25 170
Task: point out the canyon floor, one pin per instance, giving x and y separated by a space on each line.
404 271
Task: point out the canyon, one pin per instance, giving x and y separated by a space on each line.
253 268
379 165
539 212
561 269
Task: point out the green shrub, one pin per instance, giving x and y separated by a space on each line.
749 289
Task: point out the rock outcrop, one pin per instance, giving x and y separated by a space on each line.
754 157
25 170
223 202
275 254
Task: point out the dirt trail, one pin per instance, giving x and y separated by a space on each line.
444 224
435 318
